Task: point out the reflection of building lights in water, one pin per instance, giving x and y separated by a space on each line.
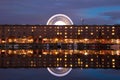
117 52
59 19
86 39
86 53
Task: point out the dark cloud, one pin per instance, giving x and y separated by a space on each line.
98 20
115 15
39 11
80 4
56 4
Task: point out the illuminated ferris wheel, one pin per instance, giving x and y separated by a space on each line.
59 19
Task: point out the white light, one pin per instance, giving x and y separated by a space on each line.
59 68
60 23
86 53
64 19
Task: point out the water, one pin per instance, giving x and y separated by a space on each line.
43 74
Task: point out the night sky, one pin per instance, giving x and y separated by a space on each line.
39 11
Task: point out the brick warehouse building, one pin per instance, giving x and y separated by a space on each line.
83 46
60 32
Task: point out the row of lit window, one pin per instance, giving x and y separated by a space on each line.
70 28
71 65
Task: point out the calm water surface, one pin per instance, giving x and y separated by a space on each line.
43 74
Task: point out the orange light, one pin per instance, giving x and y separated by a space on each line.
3 41
45 53
56 52
56 39
86 39
45 39
9 40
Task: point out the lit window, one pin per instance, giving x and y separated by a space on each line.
57 65
39 55
65 59
78 62
91 59
3 41
65 33
44 53
113 60
32 30
78 59
78 30
71 65
65 36
65 65
10 40
65 55
40 36
113 27
113 30
96 27
96 30
60 33
57 59
91 33
113 33
57 27
113 66
81 62
86 65
66 27
113 63
102 59
78 33
57 33
71 27
86 27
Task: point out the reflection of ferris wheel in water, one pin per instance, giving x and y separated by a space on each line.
59 19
